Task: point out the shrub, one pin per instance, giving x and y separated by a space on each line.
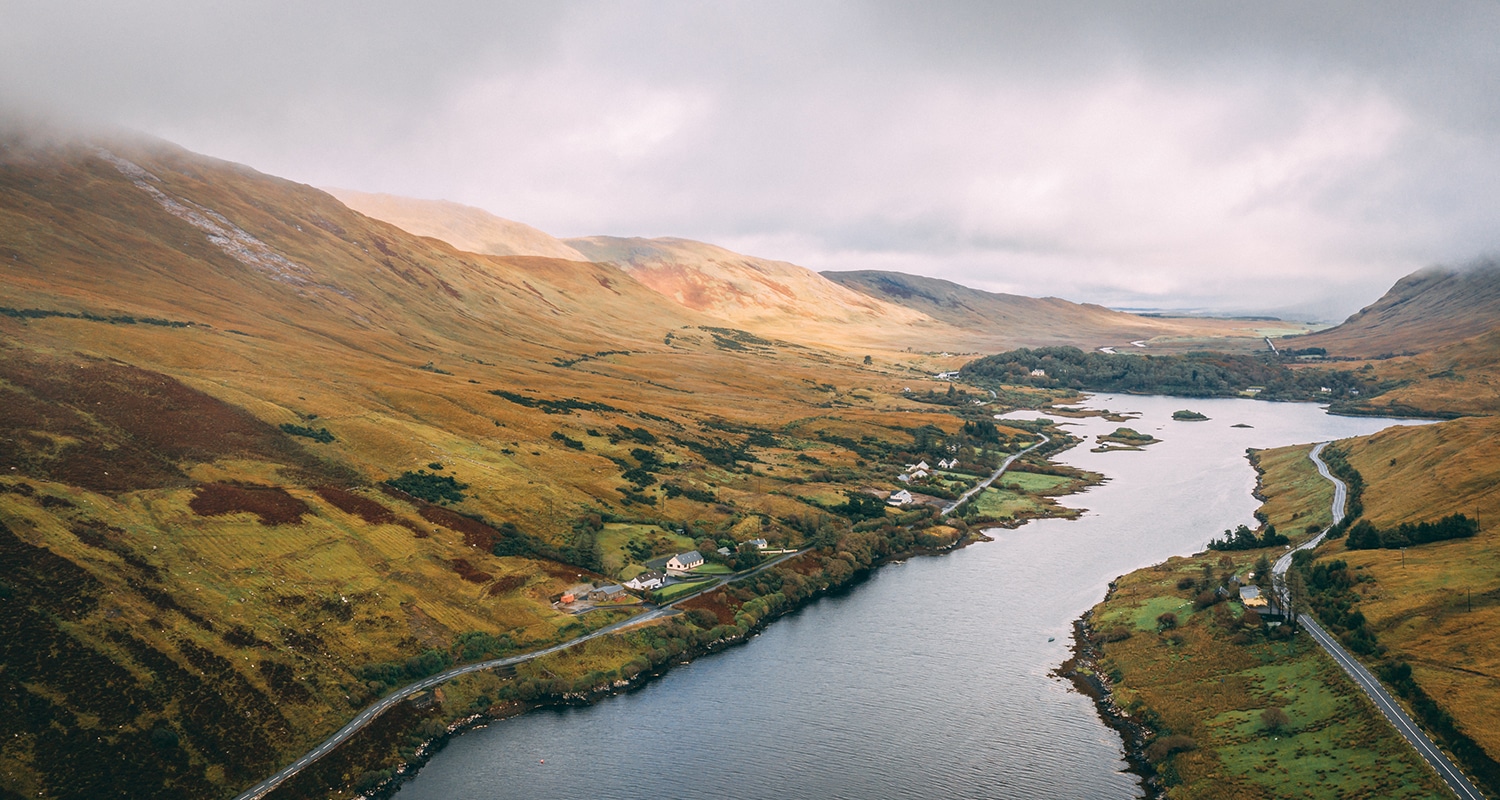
1166 621
427 486
1273 719
1164 746
318 435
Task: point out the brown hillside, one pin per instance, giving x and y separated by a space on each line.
465 227
248 359
1436 606
1421 312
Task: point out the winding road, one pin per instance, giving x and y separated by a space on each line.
1366 681
985 484
388 702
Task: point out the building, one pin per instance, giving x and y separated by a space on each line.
900 498
610 592
648 581
684 563
1251 597
758 544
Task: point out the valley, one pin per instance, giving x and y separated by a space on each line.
266 456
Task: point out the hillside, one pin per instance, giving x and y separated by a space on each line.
1423 311
857 311
467 228
775 296
209 377
1033 321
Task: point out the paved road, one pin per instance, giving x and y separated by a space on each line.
389 701
1367 682
984 484
383 705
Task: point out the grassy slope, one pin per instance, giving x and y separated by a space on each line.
1423 311
1420 611
219 629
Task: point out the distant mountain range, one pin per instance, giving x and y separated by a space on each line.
854 309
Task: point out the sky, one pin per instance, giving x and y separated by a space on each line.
1284 157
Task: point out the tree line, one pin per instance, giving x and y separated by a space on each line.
1363 535
1201 374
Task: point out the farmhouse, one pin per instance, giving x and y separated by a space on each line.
648 581
1251 597
683 563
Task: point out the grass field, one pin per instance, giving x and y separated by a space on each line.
1209 679
1032 482
1435 606
1005 503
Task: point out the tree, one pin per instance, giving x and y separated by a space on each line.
869 361
1166 621
1274 719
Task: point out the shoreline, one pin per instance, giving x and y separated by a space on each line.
1083 670
425 752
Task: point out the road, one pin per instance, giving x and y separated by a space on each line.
1366 681
985 484
388 702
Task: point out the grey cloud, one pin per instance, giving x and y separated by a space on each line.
1301 155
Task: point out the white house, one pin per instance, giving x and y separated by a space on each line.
1039 373
918 474
758 544
904 478
900 498
922 465
947 463
646 582
684 563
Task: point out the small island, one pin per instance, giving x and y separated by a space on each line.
1123 439
1188 416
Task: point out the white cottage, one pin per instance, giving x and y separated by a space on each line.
684 563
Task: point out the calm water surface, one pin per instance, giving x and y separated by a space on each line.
929 680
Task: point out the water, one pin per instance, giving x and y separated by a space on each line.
929 680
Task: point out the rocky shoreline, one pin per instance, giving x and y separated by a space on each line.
1084 670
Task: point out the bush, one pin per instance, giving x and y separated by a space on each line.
1166 621
1164 746
318 435
1274 719
427 486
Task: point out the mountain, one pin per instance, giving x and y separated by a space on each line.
465 227
860 311
745 290
1032 321
1421 312
263 458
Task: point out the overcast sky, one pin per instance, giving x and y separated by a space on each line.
1245 156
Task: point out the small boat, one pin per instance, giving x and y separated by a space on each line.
1051 638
